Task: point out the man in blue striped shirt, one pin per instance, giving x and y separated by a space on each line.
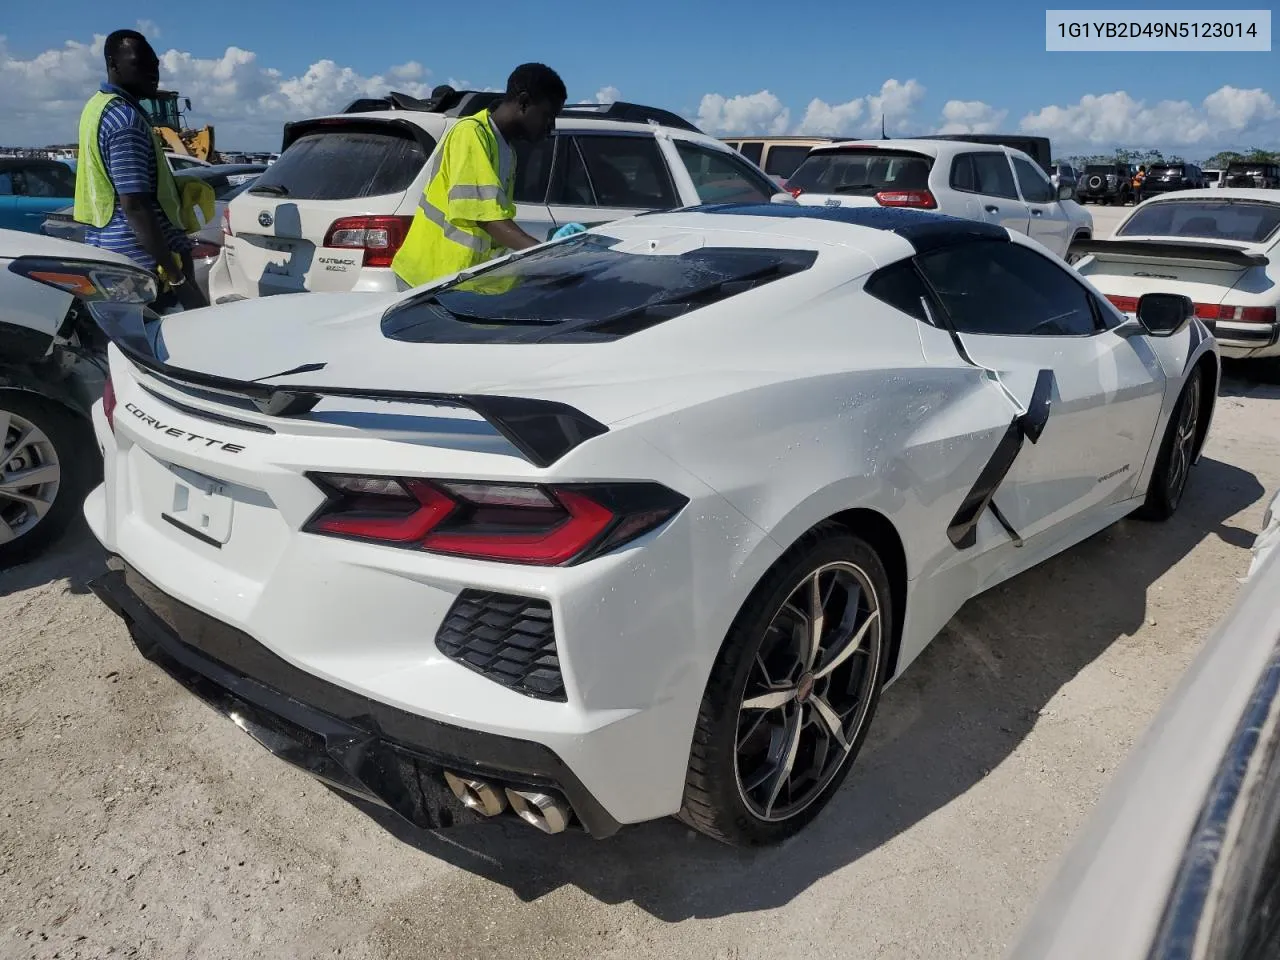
139 228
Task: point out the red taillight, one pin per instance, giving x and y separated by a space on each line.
379 237
1208 311
1235 314
794 191
511 523
203 250
109 403
921 199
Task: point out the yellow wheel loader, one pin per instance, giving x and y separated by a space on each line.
168 119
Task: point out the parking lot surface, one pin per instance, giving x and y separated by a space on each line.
138 823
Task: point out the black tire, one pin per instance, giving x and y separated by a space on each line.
1177 451
714 798
79 464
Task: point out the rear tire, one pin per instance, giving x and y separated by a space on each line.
1177 451
48 462
779 726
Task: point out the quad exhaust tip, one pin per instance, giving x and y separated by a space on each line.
547 813
478 795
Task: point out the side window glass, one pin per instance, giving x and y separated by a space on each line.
573 186
993 176
1006 289
6 184
721 177
50 182
533 170
628 172
900 287
962 177
752 150
784 160
1035 188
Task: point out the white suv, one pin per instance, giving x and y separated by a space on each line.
331 213
976 181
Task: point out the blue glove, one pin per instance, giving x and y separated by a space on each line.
568 230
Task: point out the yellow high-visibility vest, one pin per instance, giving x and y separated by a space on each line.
95 193
471 179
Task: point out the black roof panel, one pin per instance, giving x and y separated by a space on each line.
923 229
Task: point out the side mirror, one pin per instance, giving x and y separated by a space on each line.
1066 191
1164 314
187 103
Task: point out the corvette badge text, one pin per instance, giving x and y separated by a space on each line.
179 433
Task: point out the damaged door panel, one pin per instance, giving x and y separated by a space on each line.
1027 425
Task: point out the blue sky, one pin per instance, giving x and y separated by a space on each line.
672 54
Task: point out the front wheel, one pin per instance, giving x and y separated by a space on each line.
792 692
46 455
1177 452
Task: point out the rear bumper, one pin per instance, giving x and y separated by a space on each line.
1247 340
370 749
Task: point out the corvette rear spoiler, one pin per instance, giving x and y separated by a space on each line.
1173 250
542 430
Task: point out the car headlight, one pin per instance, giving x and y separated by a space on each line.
88 279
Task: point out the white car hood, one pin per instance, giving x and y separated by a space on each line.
15 243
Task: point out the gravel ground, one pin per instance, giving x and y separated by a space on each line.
138 823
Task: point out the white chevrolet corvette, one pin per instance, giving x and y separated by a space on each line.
632 524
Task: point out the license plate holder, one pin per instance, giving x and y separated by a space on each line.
200 506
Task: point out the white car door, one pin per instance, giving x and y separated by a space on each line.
1017 312
1048 222
601 177
986 177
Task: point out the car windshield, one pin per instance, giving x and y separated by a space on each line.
583 290
862 172
344 163
1239 221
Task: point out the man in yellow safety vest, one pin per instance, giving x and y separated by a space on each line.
125 192
466 214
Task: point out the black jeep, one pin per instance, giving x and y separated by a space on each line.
1106 183
1253 173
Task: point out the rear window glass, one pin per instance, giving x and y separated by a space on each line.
1099 168
863 172
1165 168
224 188
1239 221
583 290
344 164
782 161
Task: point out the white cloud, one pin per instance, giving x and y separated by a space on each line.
764 113
971 116
824 119
1230 108
1228 116
149 29
608 94
760 113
